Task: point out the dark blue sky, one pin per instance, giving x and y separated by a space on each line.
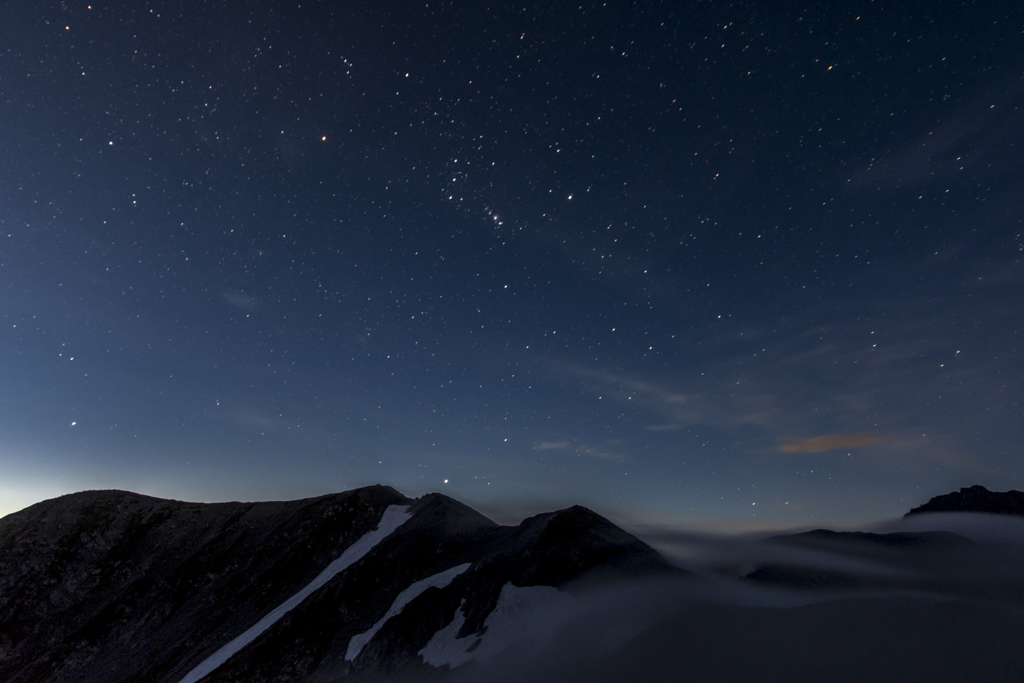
715 264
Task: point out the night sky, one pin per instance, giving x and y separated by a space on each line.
712 264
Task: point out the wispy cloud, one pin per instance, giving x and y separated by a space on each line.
831 442
552 445
581 449
251 418
241 300
676 410
894 367
979 140
589 451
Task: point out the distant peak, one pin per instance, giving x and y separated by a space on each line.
975 499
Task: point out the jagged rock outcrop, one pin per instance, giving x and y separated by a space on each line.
975 499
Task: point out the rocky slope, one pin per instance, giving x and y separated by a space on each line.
113 586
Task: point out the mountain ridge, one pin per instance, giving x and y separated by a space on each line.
117 586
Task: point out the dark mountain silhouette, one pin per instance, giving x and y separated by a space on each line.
372 586
975 499
113 586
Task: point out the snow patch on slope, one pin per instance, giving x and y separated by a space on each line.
503 626
439 580
393 517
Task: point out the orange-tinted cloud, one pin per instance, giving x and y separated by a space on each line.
548 445
831 442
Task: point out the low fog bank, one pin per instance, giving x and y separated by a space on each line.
930 598
948 553
979 526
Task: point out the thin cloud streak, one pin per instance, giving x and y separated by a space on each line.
581 449
242 301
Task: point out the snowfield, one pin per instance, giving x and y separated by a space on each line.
393 517
503 625
439 580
